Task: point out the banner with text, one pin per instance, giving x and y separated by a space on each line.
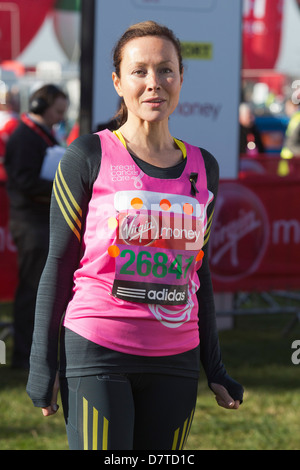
262 33
210 32
255 241
8 256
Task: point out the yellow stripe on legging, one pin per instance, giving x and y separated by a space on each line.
184 434
95 429
105 434
189 427
175 439
85 424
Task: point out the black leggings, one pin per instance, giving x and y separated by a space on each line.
128 412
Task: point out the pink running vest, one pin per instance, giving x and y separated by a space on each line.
135 288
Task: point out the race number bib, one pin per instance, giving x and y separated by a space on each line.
157 247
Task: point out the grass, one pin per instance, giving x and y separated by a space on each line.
259 357
255 353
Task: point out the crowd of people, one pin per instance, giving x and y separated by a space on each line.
251 142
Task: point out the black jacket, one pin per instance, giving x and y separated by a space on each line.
29 195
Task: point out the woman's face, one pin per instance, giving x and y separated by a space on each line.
150 80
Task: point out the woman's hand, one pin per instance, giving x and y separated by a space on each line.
52 409
223 398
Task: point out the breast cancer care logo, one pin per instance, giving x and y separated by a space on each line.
240 233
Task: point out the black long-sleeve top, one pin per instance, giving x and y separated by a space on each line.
80 167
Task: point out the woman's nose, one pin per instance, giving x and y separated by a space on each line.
153 81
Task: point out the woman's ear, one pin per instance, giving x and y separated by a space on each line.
117 85
181 77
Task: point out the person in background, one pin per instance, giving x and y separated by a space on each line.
250 139
29 205
9 120
128 269
291 145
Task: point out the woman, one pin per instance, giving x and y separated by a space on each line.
130 222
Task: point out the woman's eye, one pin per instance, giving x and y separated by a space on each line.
139 72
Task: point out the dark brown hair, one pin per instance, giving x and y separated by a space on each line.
45 97
138 30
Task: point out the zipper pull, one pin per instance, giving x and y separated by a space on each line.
193 181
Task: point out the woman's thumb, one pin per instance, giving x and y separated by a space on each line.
222 396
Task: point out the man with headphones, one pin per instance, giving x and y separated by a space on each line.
29 196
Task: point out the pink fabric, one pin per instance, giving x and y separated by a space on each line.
141 241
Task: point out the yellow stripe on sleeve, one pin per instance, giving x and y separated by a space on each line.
66 217
68 207
75 204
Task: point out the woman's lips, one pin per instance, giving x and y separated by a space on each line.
154 102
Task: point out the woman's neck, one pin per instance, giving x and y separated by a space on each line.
153 143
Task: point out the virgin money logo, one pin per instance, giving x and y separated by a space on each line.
240 233
167 230
138 229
